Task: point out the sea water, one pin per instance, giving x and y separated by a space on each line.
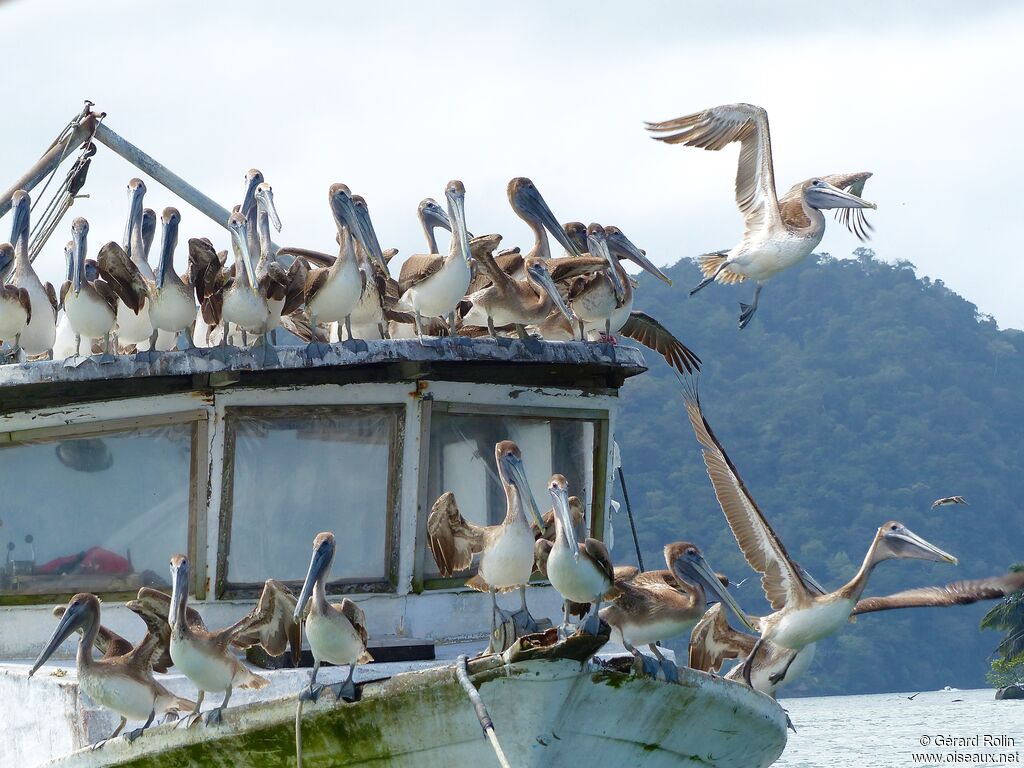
936 728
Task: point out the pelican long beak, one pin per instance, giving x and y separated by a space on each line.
907 544
435 216
366 228
253 180
544 279
698 568
168 242
457 213
516 473
6 260
179 593
266 197
599 247
20 221
534 204
74 617
624 246
78 260
319 563
825 195
138 193
240 232
561 499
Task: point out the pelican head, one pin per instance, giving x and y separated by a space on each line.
509 460
179 589
265 199
79 234
597 244
323 556
623 247
576 231
21 204
82 610
432 214
6 260
897 542
253 178
528 204
169 241
818 193
136 194
344 210
240 234
689 566
363 215
148 231
537 269
455 194
558 487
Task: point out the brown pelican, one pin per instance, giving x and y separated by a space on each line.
649 609
336 634
576 231
546 541
779 232
332 294
432 285
432 216
136 327
243 304
594 300
506 550
40 330
369 319
172 305
802 614
15 304
531 207
123 683
205 657
580 571
947 500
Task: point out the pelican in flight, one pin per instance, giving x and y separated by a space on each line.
41 328
432 285
779 232
655 606
15 304
205 657
948 500
802 613
121 682
336 634
172 304
506 549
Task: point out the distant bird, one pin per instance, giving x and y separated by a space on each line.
947 500
911 698
780 232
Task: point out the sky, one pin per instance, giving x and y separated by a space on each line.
396 98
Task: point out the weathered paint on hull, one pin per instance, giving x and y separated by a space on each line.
545 713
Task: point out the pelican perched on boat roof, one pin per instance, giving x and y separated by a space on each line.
529 205
802 614
40 330
506 549
15 305
136 327
780 232
336 634
205 657
172 304
123 683
243 304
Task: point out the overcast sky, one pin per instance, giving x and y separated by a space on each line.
397 98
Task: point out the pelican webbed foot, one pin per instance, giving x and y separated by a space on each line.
267 353
311 692
346 689
645 666
131 736
746 312
105 359
789 723
592 624
74 361
317 350
213 717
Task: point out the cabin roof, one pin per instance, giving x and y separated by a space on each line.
587 366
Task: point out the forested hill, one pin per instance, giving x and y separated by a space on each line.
858 394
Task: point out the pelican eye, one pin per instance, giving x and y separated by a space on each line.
894 527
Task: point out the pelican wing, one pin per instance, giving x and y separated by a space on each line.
568 267
158 603
317 258
418 268
299 324
493 269
108 642
154 650
645 329
269 624
107 292
760 545
20 295
713 641
52 296
852 218
274 282
452 539
315 281
357 619
204 267
957 593
119 271
541 551
295 293
598 553
626 572
717 127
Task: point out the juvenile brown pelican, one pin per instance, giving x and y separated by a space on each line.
506 550
580 571
649 609
594 300
15 304
531 207
243 304
432 285
336 634
947 500
432 216
205 657
136 327
779 232
172 304
380 291
802 615
546 541
122 683
40 330
576 231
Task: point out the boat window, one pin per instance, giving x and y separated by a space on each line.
100 512
294 472
461 460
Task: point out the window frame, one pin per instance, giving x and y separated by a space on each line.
224 589
198 476
601 418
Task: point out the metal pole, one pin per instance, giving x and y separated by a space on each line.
53 157
218 213
629 514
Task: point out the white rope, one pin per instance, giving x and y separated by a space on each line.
462 673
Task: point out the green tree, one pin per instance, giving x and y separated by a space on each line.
1008 617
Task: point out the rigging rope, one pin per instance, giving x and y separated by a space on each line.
462 673
632 523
